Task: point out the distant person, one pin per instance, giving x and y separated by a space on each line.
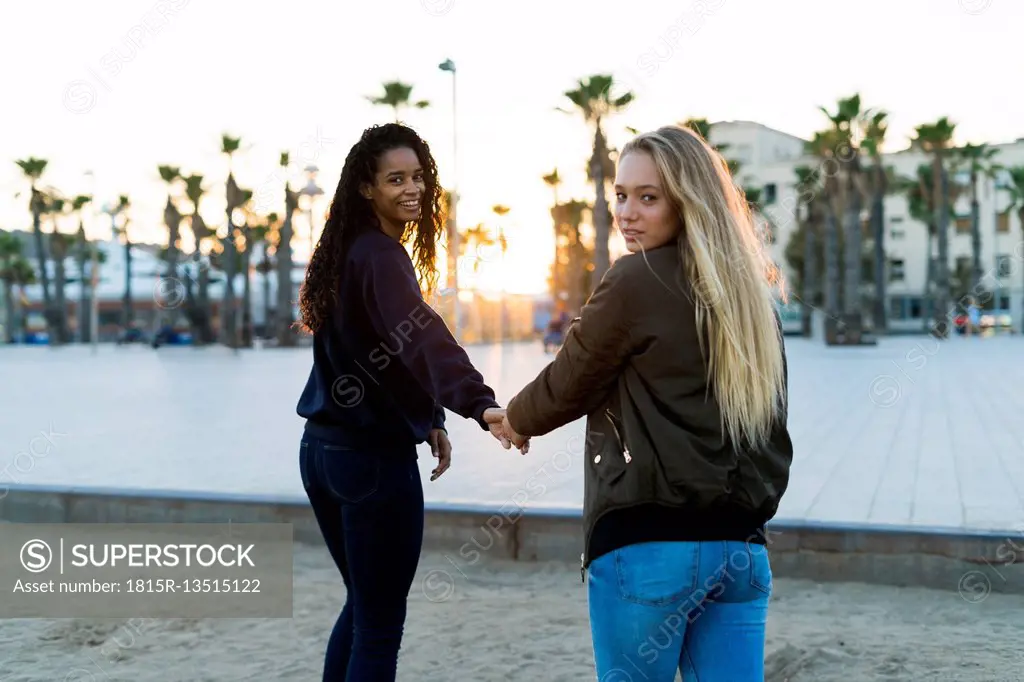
555 332
678 363
384 368
973 318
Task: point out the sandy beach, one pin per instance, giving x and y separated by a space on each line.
508 622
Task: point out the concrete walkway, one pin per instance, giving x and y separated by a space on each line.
912 432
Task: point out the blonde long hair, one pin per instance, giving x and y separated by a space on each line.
731 278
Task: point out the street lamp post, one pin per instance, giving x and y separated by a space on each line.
94 306
311 190
453 236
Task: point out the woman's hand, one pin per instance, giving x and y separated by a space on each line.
494 416
521 442
441 448
497 422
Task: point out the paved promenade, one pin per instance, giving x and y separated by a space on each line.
911 432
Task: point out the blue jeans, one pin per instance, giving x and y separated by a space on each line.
696 607
369 506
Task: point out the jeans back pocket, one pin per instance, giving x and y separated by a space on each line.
350 475
760 568
657 573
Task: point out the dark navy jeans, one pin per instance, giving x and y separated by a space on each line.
369 506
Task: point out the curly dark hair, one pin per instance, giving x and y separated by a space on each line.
352 214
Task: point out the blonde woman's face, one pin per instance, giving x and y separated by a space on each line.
643 211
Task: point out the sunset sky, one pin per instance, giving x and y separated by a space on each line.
121 89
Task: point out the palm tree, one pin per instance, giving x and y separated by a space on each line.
980 165
847 126
1016 175
397 95
200 312
14 269
553 180
501 211
234 199
127 309
450 226
82 253
283 255
59 245
476 237
920 198
243 333
594 99
874 139
935 139
823 146
578 258
261 234
809 214
33 169
172 219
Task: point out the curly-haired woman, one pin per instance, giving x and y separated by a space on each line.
384 368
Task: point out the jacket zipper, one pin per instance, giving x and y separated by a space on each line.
622 444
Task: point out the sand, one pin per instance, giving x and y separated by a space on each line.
509 621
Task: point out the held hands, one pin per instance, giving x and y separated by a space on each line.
497 423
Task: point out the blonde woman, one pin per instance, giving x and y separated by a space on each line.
677 361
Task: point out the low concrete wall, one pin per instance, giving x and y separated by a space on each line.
972 563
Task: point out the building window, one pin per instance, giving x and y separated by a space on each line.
896 219
1003 222
1004 302
963 225
1003 265
916 309
770 193
896 308
897 234
896 273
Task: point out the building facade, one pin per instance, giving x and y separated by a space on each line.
768 161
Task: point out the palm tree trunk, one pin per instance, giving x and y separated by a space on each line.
192 310
60 300
127 311
941 311
1020 218
975 235
577 270
283 309
929 277
44 275
602 227
203 300
852 247
811 267
84 310
9 309
267 322
229 315
831 261
246 317
881 317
